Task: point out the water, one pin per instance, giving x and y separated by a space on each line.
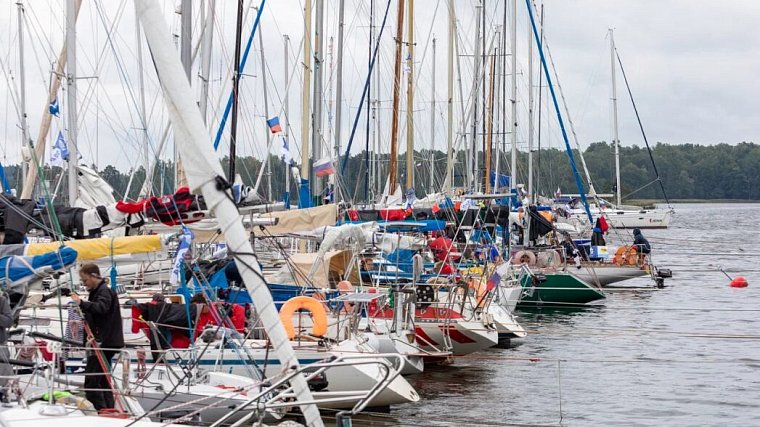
646 357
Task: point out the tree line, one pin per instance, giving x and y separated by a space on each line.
687 171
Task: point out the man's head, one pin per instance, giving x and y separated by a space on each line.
89 274
636 231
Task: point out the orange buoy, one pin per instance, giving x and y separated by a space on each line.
739 282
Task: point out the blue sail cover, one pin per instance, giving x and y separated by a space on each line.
16 270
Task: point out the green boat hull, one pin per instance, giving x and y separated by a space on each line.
559 289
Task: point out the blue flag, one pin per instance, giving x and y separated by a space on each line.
60 151
54 109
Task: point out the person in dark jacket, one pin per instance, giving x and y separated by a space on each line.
640 242
102 315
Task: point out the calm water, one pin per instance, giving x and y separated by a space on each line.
646 357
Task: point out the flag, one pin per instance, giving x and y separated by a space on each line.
466 204
285 152
435 208
324 167
558 193
274 125
60 151
54 109
184 246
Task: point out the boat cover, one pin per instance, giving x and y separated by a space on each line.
19 270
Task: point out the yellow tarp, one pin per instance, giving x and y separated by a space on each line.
101 248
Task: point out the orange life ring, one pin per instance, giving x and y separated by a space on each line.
626 255
317 310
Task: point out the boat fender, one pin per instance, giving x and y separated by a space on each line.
317 310
524 257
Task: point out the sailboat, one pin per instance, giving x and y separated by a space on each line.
617 214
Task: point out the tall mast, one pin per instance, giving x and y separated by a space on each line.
186 55
432 126
449 181
147 184
316 136
472 150
410 99
235 91
513 176
396 87
615 136
71 75
208 38
39 147
267 134
339 81
25 141
368 164
305 101
483 55
286 109
489 127
530 112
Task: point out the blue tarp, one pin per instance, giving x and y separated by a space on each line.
15 270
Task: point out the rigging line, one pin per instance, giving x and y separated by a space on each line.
569 150
364 92
641 126
241 67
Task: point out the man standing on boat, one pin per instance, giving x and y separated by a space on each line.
102 315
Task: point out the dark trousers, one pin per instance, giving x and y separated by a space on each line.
96 385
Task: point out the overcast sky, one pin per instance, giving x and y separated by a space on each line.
692 66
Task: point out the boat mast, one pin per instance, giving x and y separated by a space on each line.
286 108
304 194
235 91
367 161
25 140
449 181
186 55
339 89
208 38
147 185
615 136
410 99
396 87
489 127
530 114
71 75
503 104
432 126
316 124
473 150
268 135
513 175
483 55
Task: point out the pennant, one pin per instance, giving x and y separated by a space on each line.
184 246
435 208
324 167
54 108
60 151
274 125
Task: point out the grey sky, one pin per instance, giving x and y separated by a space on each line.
692 65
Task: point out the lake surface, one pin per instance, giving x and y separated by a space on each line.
685 355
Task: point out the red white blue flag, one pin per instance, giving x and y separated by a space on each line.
324 167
